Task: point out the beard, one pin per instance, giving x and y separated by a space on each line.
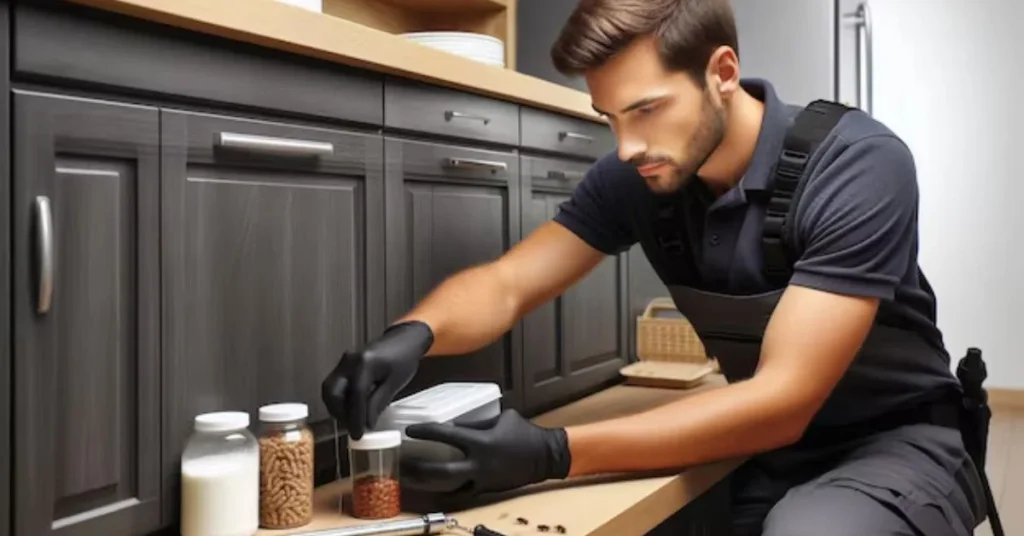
706 138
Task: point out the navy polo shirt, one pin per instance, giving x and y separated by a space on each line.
856 224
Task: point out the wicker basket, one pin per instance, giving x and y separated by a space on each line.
667 339
670 353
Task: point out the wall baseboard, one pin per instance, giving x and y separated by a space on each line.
1006 398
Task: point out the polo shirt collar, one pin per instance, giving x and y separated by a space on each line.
775 123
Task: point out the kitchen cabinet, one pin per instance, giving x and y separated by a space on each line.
578 341
272 263
5 274
450 207
86 317
174 245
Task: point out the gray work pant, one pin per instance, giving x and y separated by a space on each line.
899 482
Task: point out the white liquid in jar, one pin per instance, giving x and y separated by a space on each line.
220 495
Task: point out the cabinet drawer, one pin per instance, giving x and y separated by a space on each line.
452 161
419 107
553 174
546 131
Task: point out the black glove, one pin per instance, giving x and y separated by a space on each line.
363 383
502 453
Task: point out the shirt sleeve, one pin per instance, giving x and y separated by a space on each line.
858 220
597 210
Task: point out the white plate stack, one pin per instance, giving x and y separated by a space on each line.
479 47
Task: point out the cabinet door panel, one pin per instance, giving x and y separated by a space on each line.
5 273
86 395
272 260
576 343
446 215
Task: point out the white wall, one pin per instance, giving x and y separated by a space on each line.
947 78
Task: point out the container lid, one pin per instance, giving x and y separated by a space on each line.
222 421
442 402
284 412
385 439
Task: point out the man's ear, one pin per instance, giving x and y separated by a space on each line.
723 72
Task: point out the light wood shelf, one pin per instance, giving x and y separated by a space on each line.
496 18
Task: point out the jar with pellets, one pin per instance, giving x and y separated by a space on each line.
286 466
373 462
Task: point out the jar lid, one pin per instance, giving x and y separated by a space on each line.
385 439
284 412
222 421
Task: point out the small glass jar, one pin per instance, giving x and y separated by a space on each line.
220 477
373 464
286 466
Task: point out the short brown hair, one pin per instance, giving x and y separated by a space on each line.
688 32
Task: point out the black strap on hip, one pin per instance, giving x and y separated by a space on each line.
812 125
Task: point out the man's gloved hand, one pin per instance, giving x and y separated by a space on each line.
363 383
503 453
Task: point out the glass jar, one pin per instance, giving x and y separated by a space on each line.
373 463
286 466
220 477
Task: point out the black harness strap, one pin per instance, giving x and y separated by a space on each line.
669 227
812 125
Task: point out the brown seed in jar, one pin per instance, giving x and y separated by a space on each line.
375 497
286 479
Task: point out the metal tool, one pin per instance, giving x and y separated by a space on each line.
435 523
427 524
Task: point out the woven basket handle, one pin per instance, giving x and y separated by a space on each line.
659 304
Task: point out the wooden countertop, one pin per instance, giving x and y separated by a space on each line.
281 26
595 506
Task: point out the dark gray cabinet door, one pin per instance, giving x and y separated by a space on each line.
5 275
448 208
86 306
576 343
272 265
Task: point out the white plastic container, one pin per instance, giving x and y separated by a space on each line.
220 477
455 402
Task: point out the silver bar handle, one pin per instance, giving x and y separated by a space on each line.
272 145
476 163
564 175
575 136
451 114
861 19
44 251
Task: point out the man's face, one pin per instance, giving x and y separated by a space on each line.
666 124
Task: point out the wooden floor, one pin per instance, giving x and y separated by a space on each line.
1005 469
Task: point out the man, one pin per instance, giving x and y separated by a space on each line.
836 373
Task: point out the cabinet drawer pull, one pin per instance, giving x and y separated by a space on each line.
564 175
44 252
277 146
575 136
475 163
449 115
